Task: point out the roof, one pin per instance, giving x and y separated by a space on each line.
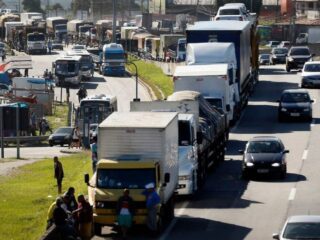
312 62
222 25
300 47
139 120
142 35
185 116
298 90
304 218
201 70
70 58
77 52
101 97
18 62
264 138
183 95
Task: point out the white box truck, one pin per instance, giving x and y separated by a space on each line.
135 148
188 145
212 59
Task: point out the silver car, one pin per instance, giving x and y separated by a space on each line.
300 227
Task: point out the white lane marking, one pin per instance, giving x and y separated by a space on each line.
292 194
165 235
305 155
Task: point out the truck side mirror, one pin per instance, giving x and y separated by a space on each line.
199 137
228 108
86 178
167 177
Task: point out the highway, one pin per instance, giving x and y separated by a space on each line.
229 208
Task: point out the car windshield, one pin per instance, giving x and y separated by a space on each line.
295 97
264 147
281 51
125 178
264 56
64 130
300 51
312 68
79 47
229 12
302 230
93 127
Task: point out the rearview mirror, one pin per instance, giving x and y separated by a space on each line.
286 151
313 55
312 101
241 151
167 177
199 137
275 236
86 178
228 108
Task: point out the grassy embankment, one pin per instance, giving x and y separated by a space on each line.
27 193
153 76
59 117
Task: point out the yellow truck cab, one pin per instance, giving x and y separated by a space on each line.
135 148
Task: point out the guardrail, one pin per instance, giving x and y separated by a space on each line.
25 139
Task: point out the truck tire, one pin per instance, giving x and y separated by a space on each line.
97 228
288 68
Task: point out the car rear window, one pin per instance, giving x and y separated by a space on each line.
300 51
229 12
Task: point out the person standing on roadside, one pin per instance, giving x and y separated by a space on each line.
49 46
125 212
94 153
72 204
84 216
58 173
152 202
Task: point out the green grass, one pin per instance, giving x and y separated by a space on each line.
24 195
59 117
153 76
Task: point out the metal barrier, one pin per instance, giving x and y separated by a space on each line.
25 139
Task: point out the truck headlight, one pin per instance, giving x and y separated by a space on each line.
275 164
283 109
306 109
290 59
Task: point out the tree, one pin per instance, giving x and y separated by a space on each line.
82 5
32 6
56 7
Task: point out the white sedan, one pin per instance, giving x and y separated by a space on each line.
311 74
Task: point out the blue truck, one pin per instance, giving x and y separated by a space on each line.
112 60
243 35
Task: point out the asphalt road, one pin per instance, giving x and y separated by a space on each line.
124 88
229 208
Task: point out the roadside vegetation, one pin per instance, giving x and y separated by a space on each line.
153 76
27 193
59 117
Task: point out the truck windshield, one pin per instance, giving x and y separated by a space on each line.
61 27
229 12
36 37
86 61
118 56
182 47
85 29
184 133
125 178
65 67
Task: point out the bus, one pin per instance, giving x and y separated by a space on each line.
93 110
86 63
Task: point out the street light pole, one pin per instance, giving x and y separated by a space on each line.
114 21
18 130
137 81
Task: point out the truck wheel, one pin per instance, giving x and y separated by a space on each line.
97 229
288 69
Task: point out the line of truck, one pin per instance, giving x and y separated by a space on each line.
174 142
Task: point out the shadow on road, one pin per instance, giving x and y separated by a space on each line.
90 85
188 227
98 80
290 178
233 146
276 71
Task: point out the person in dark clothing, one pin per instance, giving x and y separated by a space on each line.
82 93
26 72
58 173
84 215
125 212
72 204
59 215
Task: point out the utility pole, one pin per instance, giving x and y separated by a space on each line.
197 8
293 33
114 20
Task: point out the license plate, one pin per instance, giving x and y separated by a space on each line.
294 114
263 170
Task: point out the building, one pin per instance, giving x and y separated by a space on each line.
308 8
